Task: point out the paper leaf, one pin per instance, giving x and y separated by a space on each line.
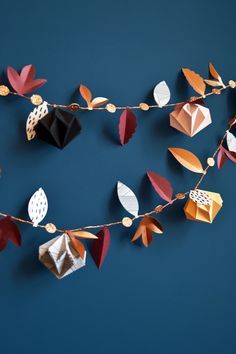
38 207
187 159
195 80
78 245
221 158
83 234
212 83
231 141
230 154
161 186
86 94
127 125
213 72
24 82
99 101
100 246
127 198
147 226
38 113
161 94
9 231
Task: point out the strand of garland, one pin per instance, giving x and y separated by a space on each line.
156 210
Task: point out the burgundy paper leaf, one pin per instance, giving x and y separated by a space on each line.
161 185
9 231
24 82
127 125
100 246
221 158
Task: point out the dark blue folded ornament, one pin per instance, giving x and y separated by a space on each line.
58 128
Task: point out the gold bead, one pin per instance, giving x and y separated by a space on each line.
216 91
144 106
111 108
127 222
74 107
180 196
232 83
36 99
159 208
51 228
210 161
4 90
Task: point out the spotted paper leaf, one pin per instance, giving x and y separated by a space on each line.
161 185
187 159
24 82
100 246
200 197
231 141
38 207
161 94
128 199
127 125
9 231
195 80
33 119
147 226
87 96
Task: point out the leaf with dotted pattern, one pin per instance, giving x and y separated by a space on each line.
38 207
33 119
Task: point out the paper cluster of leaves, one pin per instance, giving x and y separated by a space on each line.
91 102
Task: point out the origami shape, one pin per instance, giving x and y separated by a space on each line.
190 118
60 257
58 128
203 205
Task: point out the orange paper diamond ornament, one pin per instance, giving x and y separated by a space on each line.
190 118
202 205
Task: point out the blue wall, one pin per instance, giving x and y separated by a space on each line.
176 297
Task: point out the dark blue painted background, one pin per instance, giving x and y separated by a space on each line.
176 297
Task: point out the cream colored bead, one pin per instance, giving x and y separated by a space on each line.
4 90
127 222
210 161
36 100
111 108
51 228
144 106
232 84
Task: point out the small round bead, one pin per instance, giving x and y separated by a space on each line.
4 90
127 222
210 161
111 108
36 99
180 196
144 106
216 91
232 83
159 208
51 228
74 107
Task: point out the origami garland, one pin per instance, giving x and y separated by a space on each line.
59 127
66 253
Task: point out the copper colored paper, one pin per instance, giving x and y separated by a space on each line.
187 159
195 80
147 226
190 119
205 213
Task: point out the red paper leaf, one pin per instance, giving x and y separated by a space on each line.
127 125
9 231
221 158
100 246
161 185
24 82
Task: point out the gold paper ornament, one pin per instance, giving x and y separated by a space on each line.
202 205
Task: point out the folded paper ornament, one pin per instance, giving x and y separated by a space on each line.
58 128
60 256
190 118
202 205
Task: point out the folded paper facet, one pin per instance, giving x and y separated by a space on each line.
203 205
58 128
60 257
190 118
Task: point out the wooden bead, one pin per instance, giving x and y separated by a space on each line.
144 106
4 90
74 107
210 161
216 91
232 84
111 108
159 208
180 196
36 100
127 222
51 228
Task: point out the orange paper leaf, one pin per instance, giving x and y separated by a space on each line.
147 226
99 101
82 234
78 246
85 93
212 83
213 72
195 80
187 159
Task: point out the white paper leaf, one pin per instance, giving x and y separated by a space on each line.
231 142
38 207
161 94
33 118
127 198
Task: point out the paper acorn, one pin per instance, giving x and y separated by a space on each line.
202 205
58 128
60 257
190 118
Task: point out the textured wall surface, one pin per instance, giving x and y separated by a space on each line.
176 297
